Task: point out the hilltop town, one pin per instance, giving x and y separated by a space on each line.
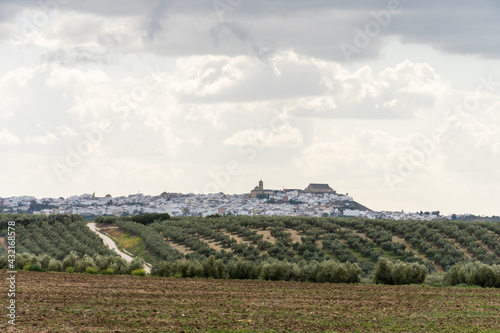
315 200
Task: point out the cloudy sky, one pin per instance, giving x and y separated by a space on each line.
395 102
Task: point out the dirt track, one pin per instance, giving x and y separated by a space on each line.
111 244
61 302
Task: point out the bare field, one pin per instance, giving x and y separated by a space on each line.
61 302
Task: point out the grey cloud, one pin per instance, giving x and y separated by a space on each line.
233 28
311 28
78 55
154 21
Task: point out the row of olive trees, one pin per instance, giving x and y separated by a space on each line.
274 270
386 272
25 219
75 263
398 273
57 239
473 274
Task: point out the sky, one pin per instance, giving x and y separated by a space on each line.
395 102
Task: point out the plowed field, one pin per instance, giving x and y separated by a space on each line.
61 302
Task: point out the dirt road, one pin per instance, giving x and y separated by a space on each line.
111 244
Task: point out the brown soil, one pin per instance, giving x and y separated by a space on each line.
437 267
360 234
113 231
319 243
3 244
491 250
179 247
295 235
105 226
461 247
60 302
214 245
267 235
238 238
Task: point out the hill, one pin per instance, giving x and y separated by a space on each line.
436 244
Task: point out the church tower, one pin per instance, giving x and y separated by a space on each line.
261 185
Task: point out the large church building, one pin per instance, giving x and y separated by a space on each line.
312 188
260 190
319 188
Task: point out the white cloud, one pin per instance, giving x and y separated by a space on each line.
60 76
44 139
7 138
172 142
209 75
368 153
283 136
65 130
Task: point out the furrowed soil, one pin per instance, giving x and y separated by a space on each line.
61 302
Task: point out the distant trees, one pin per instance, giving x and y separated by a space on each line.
271 269
57 236
397 273
474 274
150 218
74 263
259 239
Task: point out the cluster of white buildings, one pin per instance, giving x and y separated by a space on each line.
389 215
289 203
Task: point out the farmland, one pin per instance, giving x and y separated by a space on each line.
250 243
438 244
60 302
230 257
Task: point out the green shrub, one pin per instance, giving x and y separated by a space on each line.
70 270
473 273
243 269
139 272
399 273
435 279
276 270
214 268
91 270
194 269
135 264
165 269
34 268
55 266
107 271
82 264
70 260
336 272
44 261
